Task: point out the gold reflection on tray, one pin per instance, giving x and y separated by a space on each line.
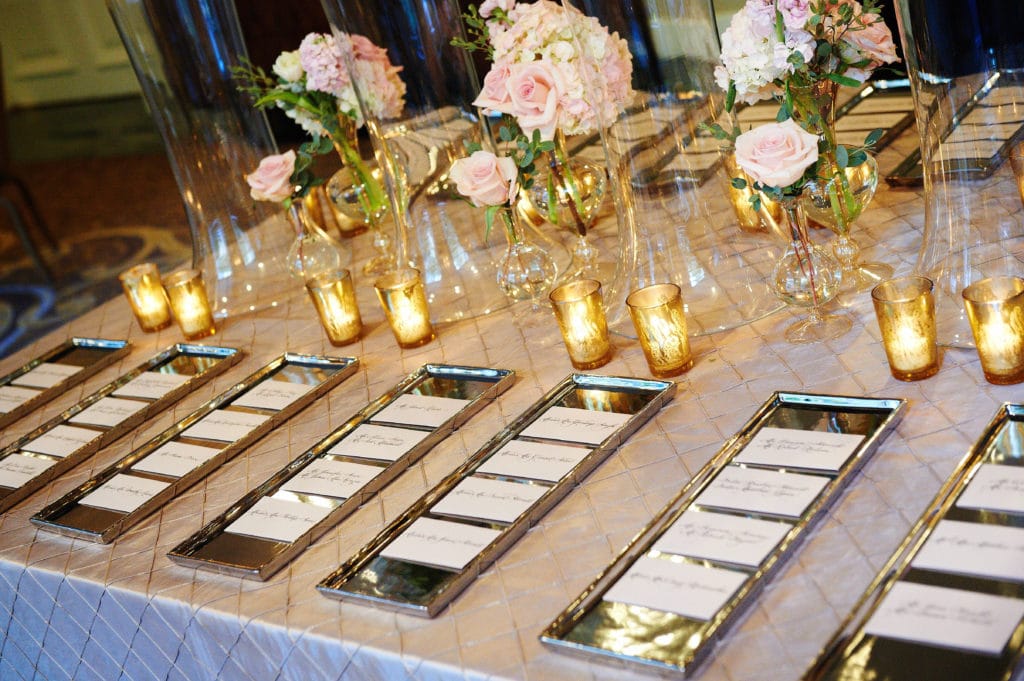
305 374
617 401
639 632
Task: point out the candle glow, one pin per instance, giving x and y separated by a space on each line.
146 296
905 309
190 305
580 313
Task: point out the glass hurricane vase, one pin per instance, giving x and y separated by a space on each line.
807 276
568 192
526 271
836 203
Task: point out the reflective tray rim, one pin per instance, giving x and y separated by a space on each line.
553 635
663 390
502 380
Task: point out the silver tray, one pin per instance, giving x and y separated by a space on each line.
92 354
423 590
854 654
674 645
201 362
213 548
68 517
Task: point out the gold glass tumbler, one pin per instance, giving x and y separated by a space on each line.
147 297
334 298
905 310
995 307
579 310
660 323
191 307
404 301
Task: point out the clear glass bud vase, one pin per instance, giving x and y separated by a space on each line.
526 271
183 54
313 252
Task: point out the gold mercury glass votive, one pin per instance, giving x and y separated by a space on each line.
405 306
905 310
334 298
660 323
995 307
190 305
579 310
147 297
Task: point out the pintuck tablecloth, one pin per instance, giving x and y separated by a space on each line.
73 609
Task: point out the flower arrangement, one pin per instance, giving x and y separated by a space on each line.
800 52
313 86
544 59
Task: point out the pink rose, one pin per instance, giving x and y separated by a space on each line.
272 180
533 97
487 7
776 154
495 93
873 40
795 13
364 49
486 179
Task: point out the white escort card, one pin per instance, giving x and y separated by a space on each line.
272 395
420 410
61 440
151 385
330 478
993 551
108 412
278 520
369 441
123 493
534 460
11 397
575 425
950 618
439 542
792 448
722 538
761 491
175 459
46 375
995 487
17 469
224 425
488 499
693 591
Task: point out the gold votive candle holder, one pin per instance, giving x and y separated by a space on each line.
750 220
146 296
905 308
1017 165
191 307
995 307
660 323
579 310
334 298
404 301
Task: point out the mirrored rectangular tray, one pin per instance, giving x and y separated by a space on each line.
21 393
144 391
673 639
136 485
995 460
416 586
216 548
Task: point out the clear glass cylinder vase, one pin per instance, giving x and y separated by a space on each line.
183 54
437 231
966 67
667 179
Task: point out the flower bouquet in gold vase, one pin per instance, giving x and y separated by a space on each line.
800 52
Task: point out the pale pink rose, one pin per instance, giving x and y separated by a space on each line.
271 181
495 95
873 40
486 179
795 13
364 49
533 97
776 154
487 7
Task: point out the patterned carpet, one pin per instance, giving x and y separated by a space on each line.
106 213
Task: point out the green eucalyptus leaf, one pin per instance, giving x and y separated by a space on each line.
873 137
739 183
842 157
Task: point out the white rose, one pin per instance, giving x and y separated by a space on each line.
288 67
